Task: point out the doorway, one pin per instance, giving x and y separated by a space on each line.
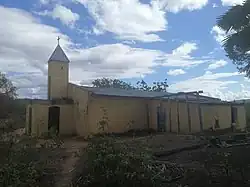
161 119
54 119
234 115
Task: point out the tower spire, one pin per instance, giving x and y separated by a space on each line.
58 40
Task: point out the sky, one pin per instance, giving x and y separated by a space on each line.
124 39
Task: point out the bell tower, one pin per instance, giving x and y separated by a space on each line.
58 74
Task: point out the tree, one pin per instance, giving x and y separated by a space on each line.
6 87
112 83
7 95
157 86
141 85
236 23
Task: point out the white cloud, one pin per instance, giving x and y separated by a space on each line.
64 14
44 2
231 2
215 5
181 56
32 42
115 60
25 56
212 84
50 2
175 72
178 5
217 64
139 23
128 20
218 33
185 49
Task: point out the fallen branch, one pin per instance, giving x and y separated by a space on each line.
178 150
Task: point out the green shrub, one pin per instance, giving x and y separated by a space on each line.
109 163
19 167
25 164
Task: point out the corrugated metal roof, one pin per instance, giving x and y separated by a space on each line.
144 94
58 55
123 92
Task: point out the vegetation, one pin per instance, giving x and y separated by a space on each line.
7 95
236 23
141 85
24 162
107 162
12 110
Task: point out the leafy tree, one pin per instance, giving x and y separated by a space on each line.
112 83
7 96
236 23
160 86
141 85
6 87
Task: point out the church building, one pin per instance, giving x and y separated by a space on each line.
71 109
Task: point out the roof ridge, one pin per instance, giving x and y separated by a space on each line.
58 55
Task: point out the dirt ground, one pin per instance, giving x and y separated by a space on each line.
71 147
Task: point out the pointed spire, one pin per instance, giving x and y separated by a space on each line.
58 55
58 40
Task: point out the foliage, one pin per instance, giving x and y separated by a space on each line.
10 106
6 87
103 123
236 22
111 83
228 167
106 162
141 85
16 171
18 165
157 86
26 163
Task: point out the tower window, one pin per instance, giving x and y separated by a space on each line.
62 67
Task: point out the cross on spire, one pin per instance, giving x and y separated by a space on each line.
58 40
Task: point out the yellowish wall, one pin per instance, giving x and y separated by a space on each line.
59 78
122 114
67 122
174 117
153 104
183 113
81 98
241 118
194 116
39 119
83 116
172 121
40 113
223 112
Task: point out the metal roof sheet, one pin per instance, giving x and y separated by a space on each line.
144 94
123 92
58 55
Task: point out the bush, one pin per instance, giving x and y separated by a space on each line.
19 165
20 174
23 164
109 163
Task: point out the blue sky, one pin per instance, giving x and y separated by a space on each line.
125 39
